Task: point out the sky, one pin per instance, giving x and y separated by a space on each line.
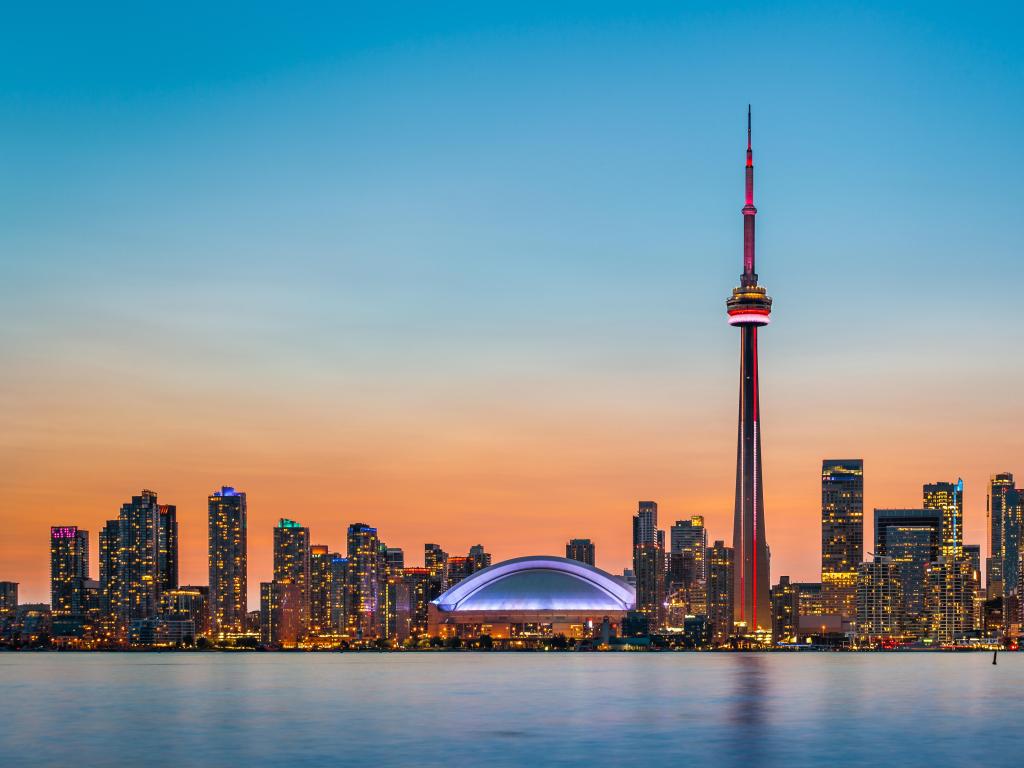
458 271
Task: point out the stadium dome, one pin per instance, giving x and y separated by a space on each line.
539 583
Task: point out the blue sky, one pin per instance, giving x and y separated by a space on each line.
460 217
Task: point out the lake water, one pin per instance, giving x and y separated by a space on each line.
507 709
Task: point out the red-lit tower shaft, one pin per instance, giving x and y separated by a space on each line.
749 308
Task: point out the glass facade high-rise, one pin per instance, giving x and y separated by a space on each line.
949 498
581 550
8 598
367 578
228 563
842 533
69 569
649 563
138 558
999 485
321 590
689 539
167 546
292 564
912 539
721 567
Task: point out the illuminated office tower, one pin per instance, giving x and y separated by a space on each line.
689 538
998 485
1013 527
842 533
721 568
227 561
340 593
167 557
785 611
581 550
879 600
811 602
110 582
367 579
649 563
948 497
139 557
69 569
912 538
281 612
291 563
480 558
321 590
950 598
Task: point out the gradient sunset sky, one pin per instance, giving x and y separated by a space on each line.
459 270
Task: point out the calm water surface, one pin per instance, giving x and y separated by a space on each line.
181 709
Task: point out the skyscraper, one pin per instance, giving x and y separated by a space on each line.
139 557
581 550
367 580
689 538
842 533
749 308
719 590
227 560
998 486
321 589
167 555
948 497
912 539
292 564
649 563
280 612
69 569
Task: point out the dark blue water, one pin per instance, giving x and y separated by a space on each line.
431 709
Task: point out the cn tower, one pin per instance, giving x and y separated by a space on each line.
749 308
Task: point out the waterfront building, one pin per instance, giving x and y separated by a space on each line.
69 568
395 559
842 533
581 550
531 597
912 538
720 611
228 561
785 611
749 309
949 498
167 545
321 586
649 564
138 558
879 600
689 539
811 598
187 603
110 580
281 612
1013 528
340 593
950 599
292 563
367 580
998 486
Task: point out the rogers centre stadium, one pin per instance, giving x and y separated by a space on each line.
531 596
